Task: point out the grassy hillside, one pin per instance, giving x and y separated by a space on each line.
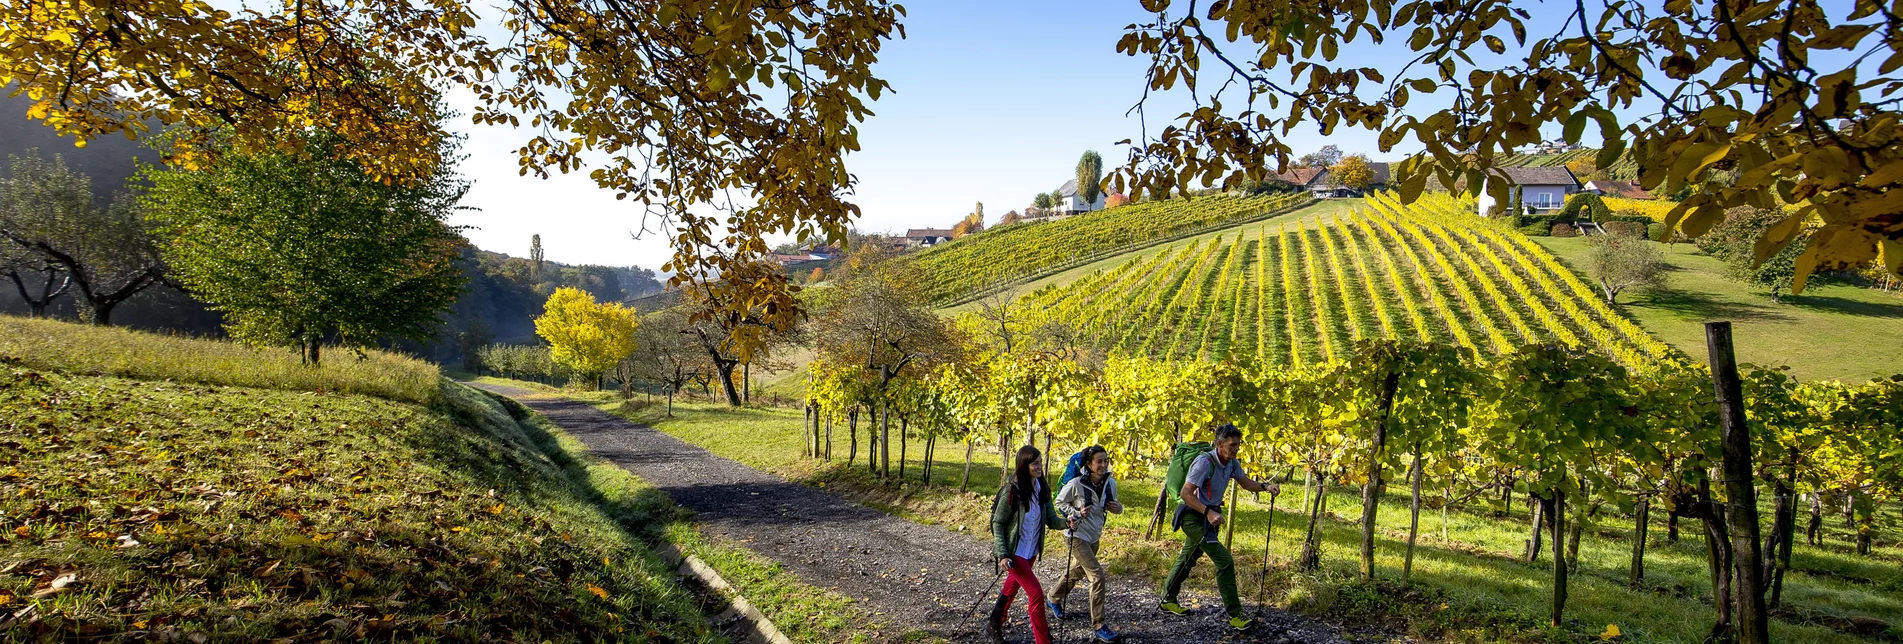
964 269
173 505
1832 331
1302 293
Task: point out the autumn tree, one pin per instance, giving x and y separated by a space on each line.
105 255
1620 262
674 106
1734 104
730 323
1089 177
584 335
1352 172
666 352
299 248
1009 218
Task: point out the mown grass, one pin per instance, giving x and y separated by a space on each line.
1470 586
114 351
166 509
1829 332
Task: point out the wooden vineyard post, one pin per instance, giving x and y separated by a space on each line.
1741 512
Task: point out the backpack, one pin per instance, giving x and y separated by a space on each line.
1072 469
1185 456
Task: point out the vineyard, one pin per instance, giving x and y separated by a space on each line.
1428 272
974 265
1625 169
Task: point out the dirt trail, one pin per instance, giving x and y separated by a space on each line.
912 576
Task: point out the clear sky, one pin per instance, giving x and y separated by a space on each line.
994 103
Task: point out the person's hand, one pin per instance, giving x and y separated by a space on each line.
1275 488
1004 565
1214 517
1113 506
1071 523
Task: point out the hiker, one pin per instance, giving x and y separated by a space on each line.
1084 500
1019 516
1198 516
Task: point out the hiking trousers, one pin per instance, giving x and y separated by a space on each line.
1199 540
1022 576
1083 564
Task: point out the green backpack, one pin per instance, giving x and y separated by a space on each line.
1185 456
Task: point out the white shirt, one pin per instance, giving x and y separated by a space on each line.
1032 525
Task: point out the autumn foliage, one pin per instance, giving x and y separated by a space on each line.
584 335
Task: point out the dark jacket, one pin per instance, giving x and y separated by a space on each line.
1006 519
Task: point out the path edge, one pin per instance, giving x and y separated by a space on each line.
690 565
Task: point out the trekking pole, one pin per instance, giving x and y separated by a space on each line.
1262 583
987 593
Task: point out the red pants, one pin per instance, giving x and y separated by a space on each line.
1021 575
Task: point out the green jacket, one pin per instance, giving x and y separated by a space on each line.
1007 519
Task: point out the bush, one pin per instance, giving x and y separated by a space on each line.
1585 206
1564 230
1536 229
1624 228
1655 231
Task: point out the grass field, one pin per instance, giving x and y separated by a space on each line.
164 510
1832 331
1471 586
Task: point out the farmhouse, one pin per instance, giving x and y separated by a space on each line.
1538 189
921 237
1320 182
1070 203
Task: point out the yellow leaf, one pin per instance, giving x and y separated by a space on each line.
1612 631
598 591
496 509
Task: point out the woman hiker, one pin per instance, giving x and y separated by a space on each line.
1200 514
1019 516
1084 500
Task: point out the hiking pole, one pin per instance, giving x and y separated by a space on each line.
1262 583
987 593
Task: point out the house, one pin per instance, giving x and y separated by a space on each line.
921 237
1319 181
1539 189
1070 203
1620 189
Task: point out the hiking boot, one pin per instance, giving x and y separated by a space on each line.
1106 635
1173 608
1241 623
994 622
1057 610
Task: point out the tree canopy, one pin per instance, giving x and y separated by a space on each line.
587 336
296 249
1089 177
1797 99
1353 172
49 218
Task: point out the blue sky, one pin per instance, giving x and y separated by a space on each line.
994 103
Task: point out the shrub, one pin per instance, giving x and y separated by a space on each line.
1564 230
1655 231
1624 228
1585 206
1536 229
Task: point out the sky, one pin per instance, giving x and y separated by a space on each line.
993 103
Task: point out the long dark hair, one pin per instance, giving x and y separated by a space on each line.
1023 485
1090 454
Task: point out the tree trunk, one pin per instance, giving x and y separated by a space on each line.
1671 527
1555 512
725 367
829 436
964 481
1752 619
670 401
1718 550
1535 508
1778 544
852 427
1582 511
885 439
872 440
1371 490
746 381
1639 527
806 442
1446 499
1414 518
931 444
1813 533
904 424
1311 557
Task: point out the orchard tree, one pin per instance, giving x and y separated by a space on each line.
1089 177
1620 262
1043 201
584 335
21 266
104 255
1326 157
298 248
666 354
1733 103
730 324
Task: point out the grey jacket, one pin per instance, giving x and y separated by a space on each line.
1077 495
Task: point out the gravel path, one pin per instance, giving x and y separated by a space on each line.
912 576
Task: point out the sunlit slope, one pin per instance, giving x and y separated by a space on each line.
994 259
1303 293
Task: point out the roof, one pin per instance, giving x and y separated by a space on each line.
1069 189
920 233
1621 189
1300 176
1544 176
1380 171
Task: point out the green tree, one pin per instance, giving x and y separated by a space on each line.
535 257
107 254
1326 157
297 249
1089 177
1620 262
1043 201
